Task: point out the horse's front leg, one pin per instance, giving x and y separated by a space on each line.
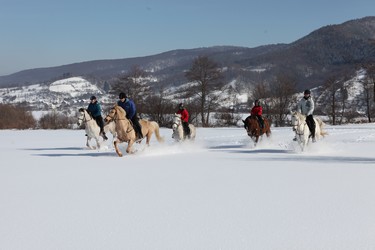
88 143
97 142
115 144
129 148
304 143
148 139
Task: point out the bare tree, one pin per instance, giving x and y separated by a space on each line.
367 96
207 85
343 101
261 91
135 85
282 93
370 71
159 108
331 86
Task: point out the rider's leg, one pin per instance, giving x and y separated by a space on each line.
311 124
137 127
99 121
261 121
186 129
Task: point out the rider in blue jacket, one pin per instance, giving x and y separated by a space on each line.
131 113
95 110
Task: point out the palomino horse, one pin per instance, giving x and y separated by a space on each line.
251 124
125 131
91 127
178 130
299 125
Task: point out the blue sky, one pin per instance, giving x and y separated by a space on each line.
46 33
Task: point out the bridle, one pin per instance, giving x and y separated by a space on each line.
83 119
297 125
249 129
115 118
177 122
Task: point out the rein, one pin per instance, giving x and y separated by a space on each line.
177 123
84 118
129 129
299 132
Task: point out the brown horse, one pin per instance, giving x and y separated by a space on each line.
125 131
252 126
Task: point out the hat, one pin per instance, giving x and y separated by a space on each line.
122 95
92 98
307 92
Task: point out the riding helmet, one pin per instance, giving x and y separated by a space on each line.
307 92
122 95
181 106
92 98
257 102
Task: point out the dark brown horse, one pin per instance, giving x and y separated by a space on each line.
252 126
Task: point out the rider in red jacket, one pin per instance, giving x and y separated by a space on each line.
257 111
184 118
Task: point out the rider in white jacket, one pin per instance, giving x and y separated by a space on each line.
306 107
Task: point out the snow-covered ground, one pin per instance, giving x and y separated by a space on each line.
217 193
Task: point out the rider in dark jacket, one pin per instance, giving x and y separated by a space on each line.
131 113
95 110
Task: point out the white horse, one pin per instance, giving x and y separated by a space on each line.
178 130
91 128
302 130
110 127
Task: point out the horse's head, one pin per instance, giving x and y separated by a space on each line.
244 124
296 119
81 116
176 121
252 126
111 116
115 113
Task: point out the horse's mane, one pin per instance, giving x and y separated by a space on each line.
85 110
299 115
120 111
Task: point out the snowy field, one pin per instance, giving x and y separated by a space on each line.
218 193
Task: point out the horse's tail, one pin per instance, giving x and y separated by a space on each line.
321 125
157 133
269 122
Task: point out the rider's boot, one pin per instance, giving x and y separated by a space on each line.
313 136
103 135
139 135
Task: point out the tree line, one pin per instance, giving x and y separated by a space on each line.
207 93
212 102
